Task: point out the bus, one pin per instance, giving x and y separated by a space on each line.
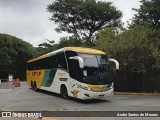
77 72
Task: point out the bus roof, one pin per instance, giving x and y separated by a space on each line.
85 50
76 49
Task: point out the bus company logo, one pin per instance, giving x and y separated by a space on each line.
75 93
6 114
36 73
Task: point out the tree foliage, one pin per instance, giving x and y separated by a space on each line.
148 14
69 41
49 46
83 17
135 49
45 47
14 53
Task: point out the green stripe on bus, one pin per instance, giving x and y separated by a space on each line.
48 77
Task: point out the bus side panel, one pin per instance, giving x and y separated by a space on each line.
50 80
62 77
58 78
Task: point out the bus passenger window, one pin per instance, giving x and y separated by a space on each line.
61 61
53 62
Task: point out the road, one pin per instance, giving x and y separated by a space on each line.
25 99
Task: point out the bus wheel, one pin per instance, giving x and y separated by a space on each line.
35 87
64 92
32 86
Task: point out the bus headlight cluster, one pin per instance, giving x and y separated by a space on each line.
85 88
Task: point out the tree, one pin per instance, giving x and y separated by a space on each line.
148 14
47 45
83 17
14 54
69 41
137 53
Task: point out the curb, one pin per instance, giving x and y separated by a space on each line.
139 94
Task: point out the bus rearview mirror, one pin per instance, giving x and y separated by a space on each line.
116 62
80 60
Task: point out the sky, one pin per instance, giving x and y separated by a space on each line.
29 19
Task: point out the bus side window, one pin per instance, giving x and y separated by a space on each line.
61 61
54 61
43 64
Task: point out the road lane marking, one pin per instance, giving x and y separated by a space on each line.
3 109
48 118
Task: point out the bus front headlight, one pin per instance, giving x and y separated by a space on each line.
84 87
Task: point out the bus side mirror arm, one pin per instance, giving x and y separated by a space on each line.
80 60
116 62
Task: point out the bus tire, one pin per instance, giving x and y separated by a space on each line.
64 92
35 87
32 86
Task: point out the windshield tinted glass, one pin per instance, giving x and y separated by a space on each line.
96 69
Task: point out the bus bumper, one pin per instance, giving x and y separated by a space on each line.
96 95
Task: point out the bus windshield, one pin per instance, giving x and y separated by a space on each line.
96 69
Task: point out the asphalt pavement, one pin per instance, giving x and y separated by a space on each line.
25 99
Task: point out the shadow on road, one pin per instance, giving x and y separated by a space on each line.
90 101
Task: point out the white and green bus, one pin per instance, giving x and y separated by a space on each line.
78 72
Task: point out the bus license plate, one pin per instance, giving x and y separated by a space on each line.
101 96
